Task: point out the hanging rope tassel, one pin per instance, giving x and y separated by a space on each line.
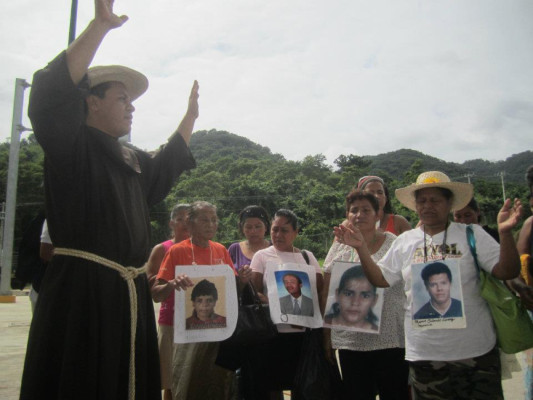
128 274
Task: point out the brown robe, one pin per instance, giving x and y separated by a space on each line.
98 194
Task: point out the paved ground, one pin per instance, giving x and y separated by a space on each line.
14 326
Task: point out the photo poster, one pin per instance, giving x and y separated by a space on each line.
212 317
439 304
353 303
281 304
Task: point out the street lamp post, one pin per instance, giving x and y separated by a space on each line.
11 192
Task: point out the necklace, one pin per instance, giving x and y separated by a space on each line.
210 254
264 244
442 246
292 251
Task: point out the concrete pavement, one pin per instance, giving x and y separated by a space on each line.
15 323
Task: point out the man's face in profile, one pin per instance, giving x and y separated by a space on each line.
292 286
438 287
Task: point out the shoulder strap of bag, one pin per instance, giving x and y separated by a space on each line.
305 256
471 239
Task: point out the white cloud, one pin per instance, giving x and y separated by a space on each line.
451 79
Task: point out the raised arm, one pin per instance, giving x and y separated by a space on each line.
81 52
508 267
187 123
519 284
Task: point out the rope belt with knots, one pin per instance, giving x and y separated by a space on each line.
128 274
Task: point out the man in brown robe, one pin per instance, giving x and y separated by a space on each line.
93 334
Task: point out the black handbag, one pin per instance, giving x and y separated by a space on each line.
254 325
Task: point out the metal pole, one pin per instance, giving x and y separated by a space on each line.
11 191
73 14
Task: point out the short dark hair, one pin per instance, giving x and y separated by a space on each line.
293 274
98 91
434 269
289 215
204 288
358 194
254 212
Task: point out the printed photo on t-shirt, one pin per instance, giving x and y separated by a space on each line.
437 297
353 303
293 295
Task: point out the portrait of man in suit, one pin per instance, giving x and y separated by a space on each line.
295 302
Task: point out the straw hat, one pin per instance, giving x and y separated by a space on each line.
135 82
462 192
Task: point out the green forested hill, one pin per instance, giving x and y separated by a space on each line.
233 172
394 163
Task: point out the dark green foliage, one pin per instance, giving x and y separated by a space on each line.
234 172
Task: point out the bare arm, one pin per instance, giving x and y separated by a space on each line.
187 123
518 284
162 288
154 262
81 52
508 267
401 224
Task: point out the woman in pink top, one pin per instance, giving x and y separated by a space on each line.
165 332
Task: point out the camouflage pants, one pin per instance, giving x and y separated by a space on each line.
472 378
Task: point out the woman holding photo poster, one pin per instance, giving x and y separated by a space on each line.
446 363
195 375
274 365
371 363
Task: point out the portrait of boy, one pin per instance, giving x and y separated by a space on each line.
204 297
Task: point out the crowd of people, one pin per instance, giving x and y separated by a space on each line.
400 306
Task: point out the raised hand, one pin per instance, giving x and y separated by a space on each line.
103 13
349 235
509 215
192 109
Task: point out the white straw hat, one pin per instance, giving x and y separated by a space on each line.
462 192
135 82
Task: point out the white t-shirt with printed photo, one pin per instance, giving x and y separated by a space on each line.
479 336
259 264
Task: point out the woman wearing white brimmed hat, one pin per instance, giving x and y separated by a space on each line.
459 363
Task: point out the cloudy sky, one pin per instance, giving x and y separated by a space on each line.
452 79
